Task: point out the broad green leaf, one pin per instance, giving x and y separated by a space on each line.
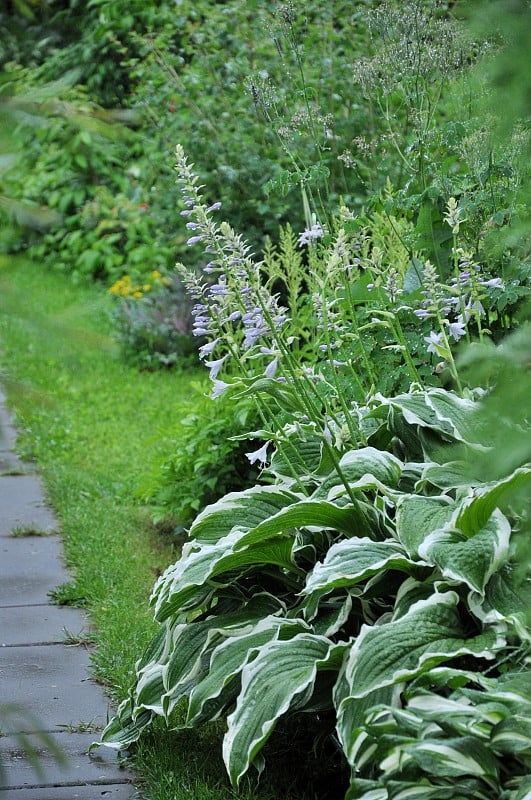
451 475
512 736
438 410
308 514
282 674
470 560
418 516
229 658
425 790
240 509
186 583
367 462
462 756
475 510
358 745
302 453
429 634
352 560
124 728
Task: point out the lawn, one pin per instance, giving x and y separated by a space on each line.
96 428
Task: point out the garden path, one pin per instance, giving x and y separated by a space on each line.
45 685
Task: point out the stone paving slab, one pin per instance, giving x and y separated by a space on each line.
111 792
31 566
24 625
22 504
52 681
101 767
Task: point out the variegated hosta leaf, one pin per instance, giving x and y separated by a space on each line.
440 411
187 583
125 727
367 462
430 633
425 790
310 514
178 666
451 475
244 510
447 757
229 658
474 511
305 454
418 516
513 737
358 745
470 560
283 673
350 561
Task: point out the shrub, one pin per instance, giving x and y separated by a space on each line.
209 461
152 322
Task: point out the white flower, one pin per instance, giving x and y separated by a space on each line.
310 234
457 329
258 455
218 388
215 366
434 341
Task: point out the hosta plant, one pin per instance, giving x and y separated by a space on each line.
376 597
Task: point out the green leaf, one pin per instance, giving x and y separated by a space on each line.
418 516
429 634
475 510
228 660
359 468
240 509
512 736
441 411
187 583
350 561
470 560
309 514
282 675
462 756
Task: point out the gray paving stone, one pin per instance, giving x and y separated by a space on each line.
116 792
23 625
22 504
30 566
101 767
52 681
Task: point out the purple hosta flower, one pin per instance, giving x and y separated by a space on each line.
309 235
208 348
422 313
259 455
215 366
219 387
492 283
214 207
194 240
271 369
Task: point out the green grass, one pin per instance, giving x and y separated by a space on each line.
96 428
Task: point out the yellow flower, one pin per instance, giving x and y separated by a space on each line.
147 287
137 293
156 275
